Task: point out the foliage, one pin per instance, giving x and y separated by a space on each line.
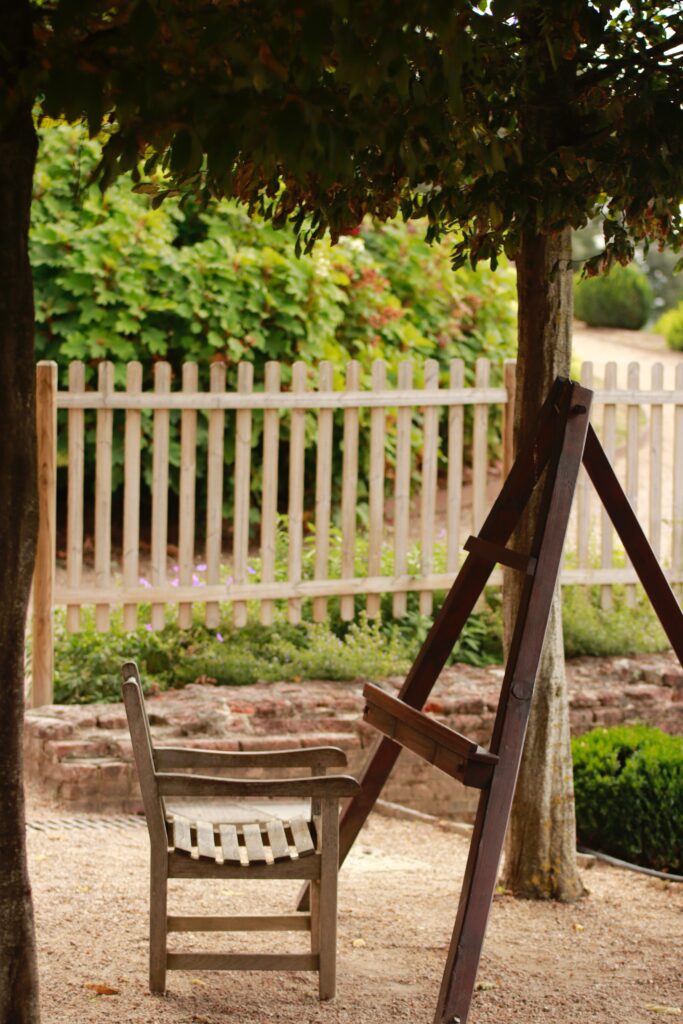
670 324
590 629
621 298
629 794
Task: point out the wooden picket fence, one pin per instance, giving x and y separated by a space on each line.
442 410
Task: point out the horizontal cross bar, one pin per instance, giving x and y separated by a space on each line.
499 553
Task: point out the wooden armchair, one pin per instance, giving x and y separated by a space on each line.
205 826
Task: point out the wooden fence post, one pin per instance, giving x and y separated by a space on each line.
44 572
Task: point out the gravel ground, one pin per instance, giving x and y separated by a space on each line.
614 957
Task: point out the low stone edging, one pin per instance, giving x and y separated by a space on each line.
81 756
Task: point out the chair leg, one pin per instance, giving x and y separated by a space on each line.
157 924
315 916
327 909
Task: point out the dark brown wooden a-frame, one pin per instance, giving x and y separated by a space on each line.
562 440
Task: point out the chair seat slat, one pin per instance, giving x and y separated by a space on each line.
182 836
230 844
206 841
278 840
302 837
253 841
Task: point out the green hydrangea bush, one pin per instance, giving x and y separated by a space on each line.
629 795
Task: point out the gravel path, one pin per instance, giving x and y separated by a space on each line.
616 956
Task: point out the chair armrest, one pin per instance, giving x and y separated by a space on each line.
171 784
169 758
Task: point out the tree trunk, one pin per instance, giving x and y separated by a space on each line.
18 519
540 859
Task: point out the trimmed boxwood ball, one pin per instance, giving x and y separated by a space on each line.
621 298
670 324
629 795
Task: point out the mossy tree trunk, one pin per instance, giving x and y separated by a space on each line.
540 857
18 519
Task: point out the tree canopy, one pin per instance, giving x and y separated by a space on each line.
487 117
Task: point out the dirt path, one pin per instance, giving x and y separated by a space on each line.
615 956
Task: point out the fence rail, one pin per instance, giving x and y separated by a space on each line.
419 505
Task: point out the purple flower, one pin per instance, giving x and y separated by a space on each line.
143 582
252 572
219 637
174 583
149 626
442 533
195 580
176 568
229 581
201 567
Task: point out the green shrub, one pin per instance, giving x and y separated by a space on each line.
621 298
629 795
670 324
597 632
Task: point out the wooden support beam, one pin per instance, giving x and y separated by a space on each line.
499 553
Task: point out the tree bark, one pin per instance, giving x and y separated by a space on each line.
540 859
18 519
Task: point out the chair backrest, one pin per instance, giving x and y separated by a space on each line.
143 751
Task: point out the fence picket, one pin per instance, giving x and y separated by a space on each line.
376 486
480 448
349 491
404 423
131 493
162 428
42 691
245 383
271 444
297 440
76 476
632 446
656 445
214 494
677 510
430 450
103 466
323 490
583 493
188 485
609 443
456 414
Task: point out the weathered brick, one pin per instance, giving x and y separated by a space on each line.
471 706
48 728
113 717
346 741
673 679
61 750
582 699
608 716
81 772
644 692
269 742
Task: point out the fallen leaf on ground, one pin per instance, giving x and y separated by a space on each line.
358 942
485 986
668 1011
198 981
579 927
101 990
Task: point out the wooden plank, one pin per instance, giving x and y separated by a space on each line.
240 923
404 420
253 842
632 449
400 398
188 480
182 837
376 486
74 513
677 510
44 570
323 490
103 468
349 491
480 453
181 866
628 527
131 492
230 844
656 446
502 555
302 837
430 449
326 943
245 384
214 493
454 482
160 452
242 962
278 840
206 841
271 446
609 441
510 382
297 440
583 512
168 758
